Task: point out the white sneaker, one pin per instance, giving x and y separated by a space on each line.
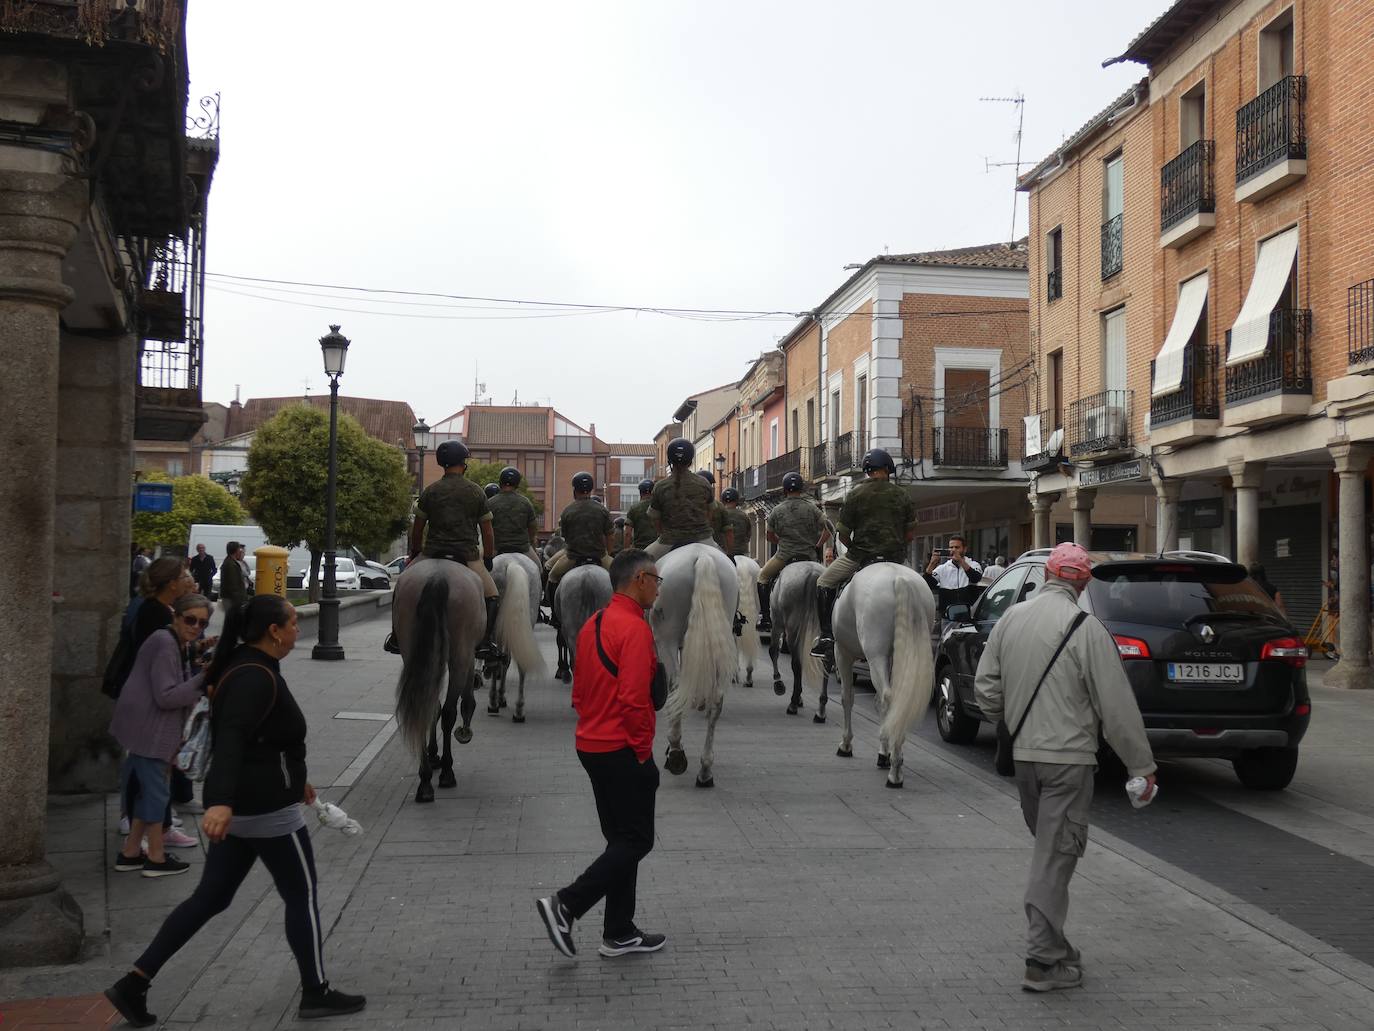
174 838
124 825
176 821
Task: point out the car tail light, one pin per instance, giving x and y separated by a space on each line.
1285 649
1303 710
1131 647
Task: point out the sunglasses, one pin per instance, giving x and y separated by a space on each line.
195 621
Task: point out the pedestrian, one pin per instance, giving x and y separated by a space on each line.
955 579
254 789
233 577
148 718
139 560
994 569
1054 673
1257 574
203 570
615 744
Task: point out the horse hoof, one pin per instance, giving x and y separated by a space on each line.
845 753
504 704
818 718
676 763
890 784
424 793
778 689
565 676
517 719
884 761
748 681
801 702
792 709
709 782
447 778
493 710
463 735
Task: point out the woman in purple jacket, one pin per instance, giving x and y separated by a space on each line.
148 720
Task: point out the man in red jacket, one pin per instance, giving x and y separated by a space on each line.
615 744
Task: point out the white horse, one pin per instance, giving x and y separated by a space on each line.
884 616
795 621
693 624
748 572
517 578
580 593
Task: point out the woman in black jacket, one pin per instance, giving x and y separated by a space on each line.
253 794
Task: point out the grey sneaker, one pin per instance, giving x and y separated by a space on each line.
558 922
1061 975
639 941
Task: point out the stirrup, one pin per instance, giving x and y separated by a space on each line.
740 623
824 648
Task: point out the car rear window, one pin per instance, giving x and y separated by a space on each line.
1173 594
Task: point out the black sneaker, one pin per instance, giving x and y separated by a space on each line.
640 941
129 995
328 1002
123 864
169 867
558 922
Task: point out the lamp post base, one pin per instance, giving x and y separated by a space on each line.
327 652
327 647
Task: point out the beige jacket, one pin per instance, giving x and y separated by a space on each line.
1085 694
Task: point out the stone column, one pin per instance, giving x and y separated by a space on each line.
40 206
1042 528
1081 501
1246 478
1166 513
1352 671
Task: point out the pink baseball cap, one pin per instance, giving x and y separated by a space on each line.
1069 562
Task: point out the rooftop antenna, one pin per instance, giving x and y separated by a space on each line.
1020 101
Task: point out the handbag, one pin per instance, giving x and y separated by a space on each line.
1006 765
658 687
121 662
193 759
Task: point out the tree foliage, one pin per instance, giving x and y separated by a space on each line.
285 484
195 499
482 473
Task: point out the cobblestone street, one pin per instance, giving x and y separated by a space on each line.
798 893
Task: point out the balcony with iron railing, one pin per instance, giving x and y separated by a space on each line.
1100 423
776 468
1112 253
820 466
1271 139
1278 383
1047 439
753 483
1190 412
1359 308
969 447
1187 195
843 454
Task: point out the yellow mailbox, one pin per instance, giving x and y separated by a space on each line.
271 575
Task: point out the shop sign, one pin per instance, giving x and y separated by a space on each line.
1206 514
938 513
1118 472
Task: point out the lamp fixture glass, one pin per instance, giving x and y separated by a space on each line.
720 463
422 435
335 348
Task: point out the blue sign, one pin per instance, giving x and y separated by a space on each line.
152 497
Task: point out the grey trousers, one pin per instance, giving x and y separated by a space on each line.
838 573
659 548
1055 800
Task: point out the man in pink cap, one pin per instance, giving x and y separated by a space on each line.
1084 695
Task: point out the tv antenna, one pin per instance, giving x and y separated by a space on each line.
1020 101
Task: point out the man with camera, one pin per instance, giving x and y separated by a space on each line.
956 578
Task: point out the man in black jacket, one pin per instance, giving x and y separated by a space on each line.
233 585
203 570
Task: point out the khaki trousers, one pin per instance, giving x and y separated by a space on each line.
773 568
1055 799
838 573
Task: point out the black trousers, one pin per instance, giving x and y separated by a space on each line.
624 789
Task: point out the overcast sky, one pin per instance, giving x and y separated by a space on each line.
700 154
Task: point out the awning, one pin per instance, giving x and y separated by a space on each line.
1250 334
1192 296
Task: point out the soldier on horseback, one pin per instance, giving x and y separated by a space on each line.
640 528
738 521
797 527
683 502
514 522
877 520
586 527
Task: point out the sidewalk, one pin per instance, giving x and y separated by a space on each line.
798 893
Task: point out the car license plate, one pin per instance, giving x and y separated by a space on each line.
1206 672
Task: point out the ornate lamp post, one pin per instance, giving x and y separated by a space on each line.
720 474
335 348
422 441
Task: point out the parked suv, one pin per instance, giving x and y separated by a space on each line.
1216 668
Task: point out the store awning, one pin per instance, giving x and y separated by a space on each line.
1192 297
1250 334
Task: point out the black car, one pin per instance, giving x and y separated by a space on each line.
1216 668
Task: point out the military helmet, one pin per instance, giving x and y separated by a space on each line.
583 483
707 475
492 489
879 459
681 452
451 453
510 476
729 494
793 482
646 487
619 522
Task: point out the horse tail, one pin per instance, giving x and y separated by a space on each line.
807 625
709 659
747 571
422 675
913 666
513 621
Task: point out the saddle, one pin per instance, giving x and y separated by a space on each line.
586 561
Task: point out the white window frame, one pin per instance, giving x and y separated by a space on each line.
861 371
987 359
773 439
834 389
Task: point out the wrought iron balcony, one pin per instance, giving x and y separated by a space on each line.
1197 395
1048 450
754 483
1100 422
1054 284
1284 368
1186 187
844 453
1111 247
1271 128
820 462
969 447
776 468
1360 322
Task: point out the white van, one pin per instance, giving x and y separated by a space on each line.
216 539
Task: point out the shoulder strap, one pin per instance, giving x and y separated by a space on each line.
270 705
1077 622
611 667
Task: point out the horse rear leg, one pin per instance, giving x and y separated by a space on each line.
846 672
676 762
467 706
564 671
494 693
778 688
825 697
429 758
708 748
796 703
518 716
447 715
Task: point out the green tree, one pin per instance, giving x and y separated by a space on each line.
195 499
482 473
288 470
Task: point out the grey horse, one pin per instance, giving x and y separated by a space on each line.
795 621
439 618
693 624
517 578
580 593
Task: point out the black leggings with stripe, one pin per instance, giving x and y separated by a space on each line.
291 862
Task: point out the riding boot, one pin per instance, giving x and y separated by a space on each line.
390 645
824 648
488 648
550 599
765 613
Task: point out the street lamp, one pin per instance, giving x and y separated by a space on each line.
422 436
720 474
335 349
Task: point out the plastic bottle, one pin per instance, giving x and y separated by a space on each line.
1139 791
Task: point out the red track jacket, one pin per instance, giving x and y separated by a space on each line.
615 712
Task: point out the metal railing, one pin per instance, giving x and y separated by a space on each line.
1271 127
1054 284
776 468
1043 457
969 447
753 485
820 462
1185 185
1360 322
1100 422
1284 368
1111 246
1197 395
736 481
843 453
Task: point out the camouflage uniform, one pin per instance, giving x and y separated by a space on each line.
641 522
687 512
798 525
877 515
453 507
584 525
744 530
512 518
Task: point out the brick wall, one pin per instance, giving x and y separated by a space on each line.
847 340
